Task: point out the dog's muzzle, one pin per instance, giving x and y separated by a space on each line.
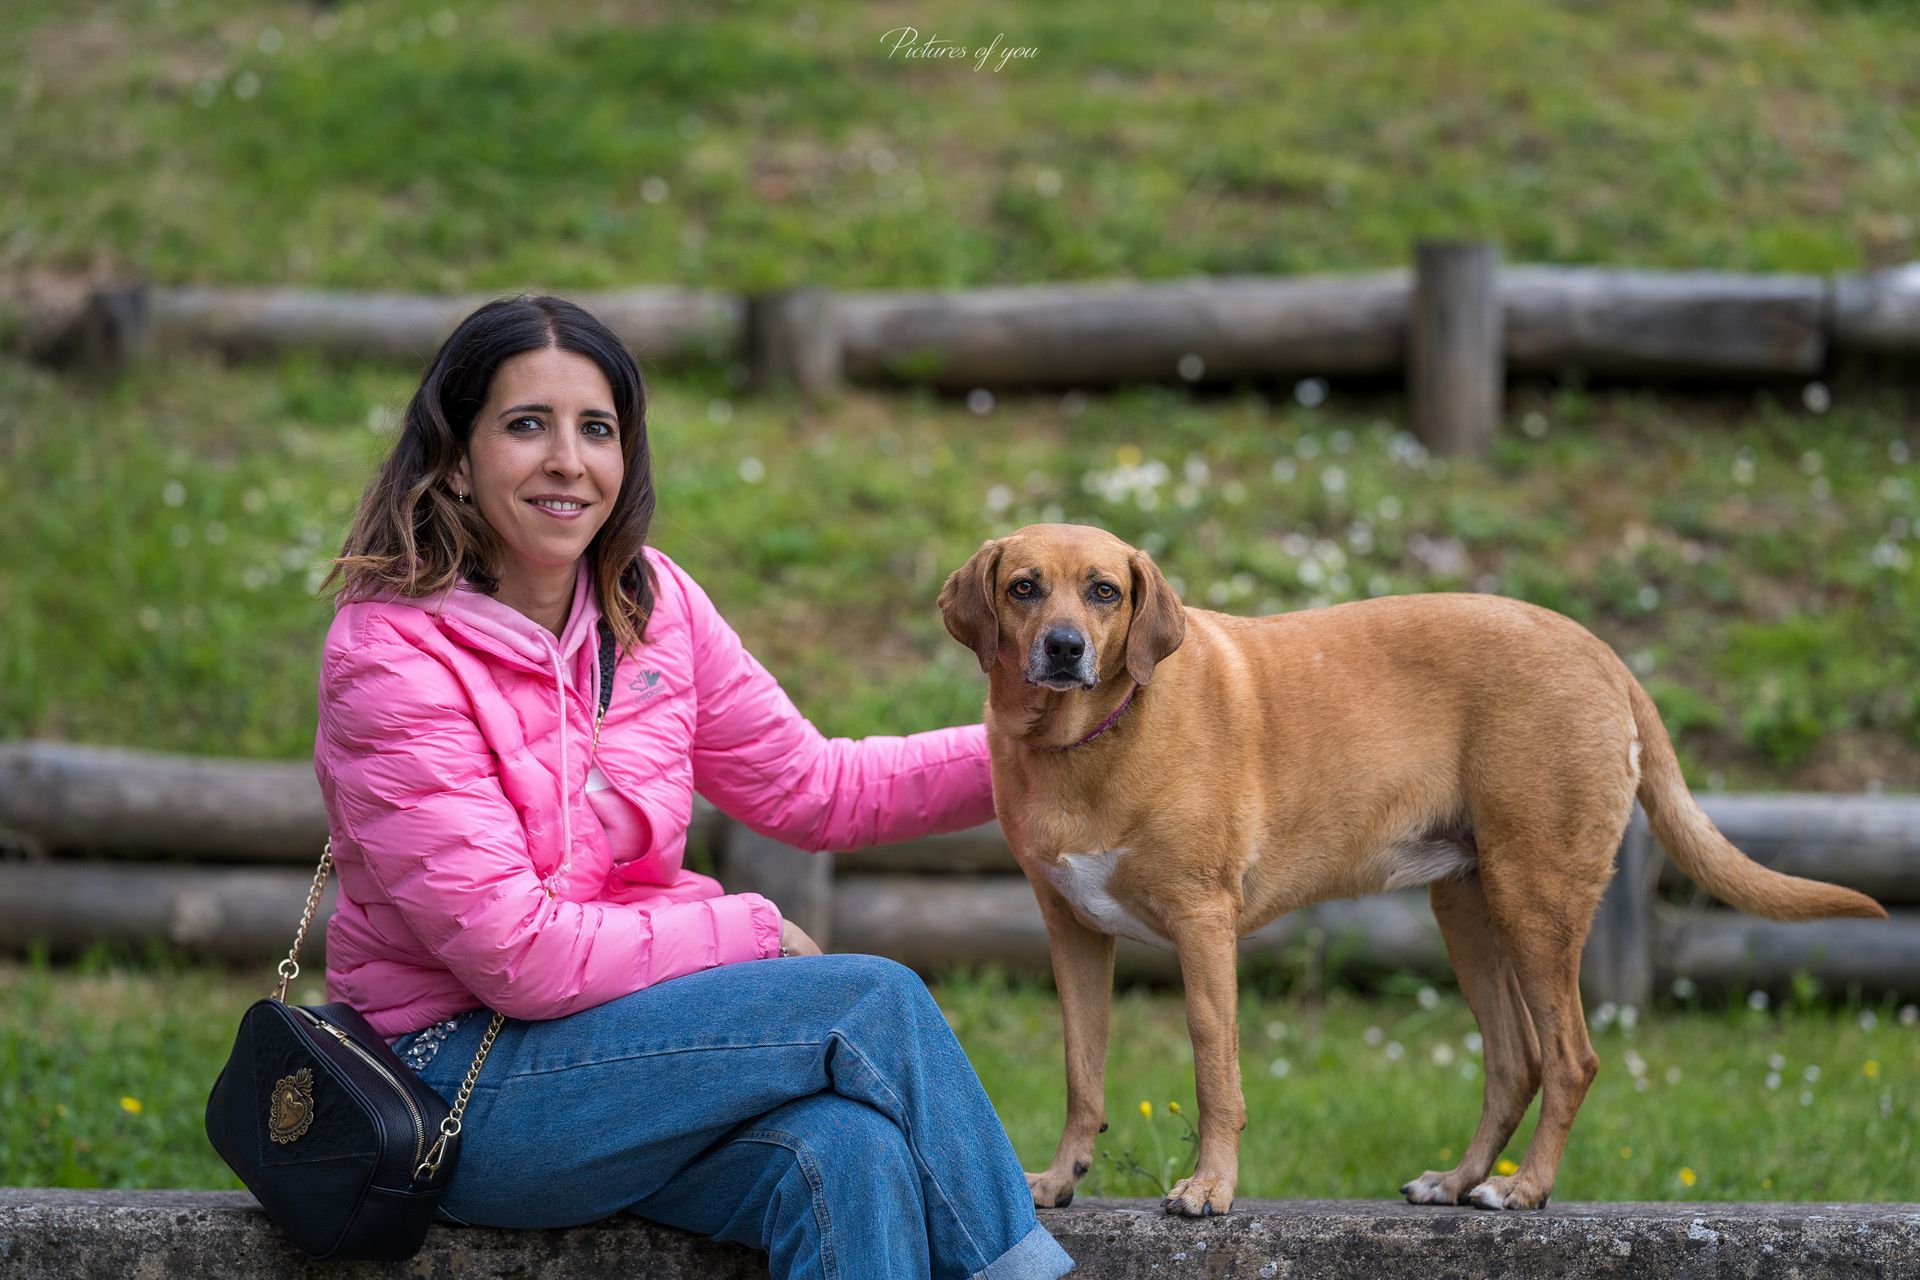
1061 659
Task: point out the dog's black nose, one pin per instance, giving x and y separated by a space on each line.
1064 646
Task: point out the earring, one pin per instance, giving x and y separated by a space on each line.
461 494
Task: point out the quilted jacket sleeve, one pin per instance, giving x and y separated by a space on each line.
410 780
761 761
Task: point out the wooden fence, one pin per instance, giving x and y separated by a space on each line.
1453 326
214 856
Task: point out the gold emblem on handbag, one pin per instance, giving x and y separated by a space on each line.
291 1110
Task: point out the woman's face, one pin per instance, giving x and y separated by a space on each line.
544 466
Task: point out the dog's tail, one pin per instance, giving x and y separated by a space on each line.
1709 858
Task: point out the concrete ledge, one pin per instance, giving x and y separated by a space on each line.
69 1235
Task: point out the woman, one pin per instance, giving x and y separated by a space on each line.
503 846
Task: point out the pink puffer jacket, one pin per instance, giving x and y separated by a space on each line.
453 753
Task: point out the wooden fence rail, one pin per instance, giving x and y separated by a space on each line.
90 826
1644 324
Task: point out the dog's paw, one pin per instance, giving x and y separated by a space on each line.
1051 1190
1506 1193
1430 1188
1199 1197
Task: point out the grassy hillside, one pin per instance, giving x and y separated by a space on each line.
413 143
1754 562
1752 554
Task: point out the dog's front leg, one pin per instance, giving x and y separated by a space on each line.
1083 975
1206 943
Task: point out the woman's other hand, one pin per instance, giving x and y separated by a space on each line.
795 942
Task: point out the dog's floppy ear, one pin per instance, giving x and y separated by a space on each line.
1159 621
968 605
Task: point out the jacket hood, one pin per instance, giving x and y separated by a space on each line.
505 629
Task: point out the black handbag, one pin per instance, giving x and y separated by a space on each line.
346 1149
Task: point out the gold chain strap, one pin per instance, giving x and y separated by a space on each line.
290 969
450 1127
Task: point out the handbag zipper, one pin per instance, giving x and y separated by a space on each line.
419 1125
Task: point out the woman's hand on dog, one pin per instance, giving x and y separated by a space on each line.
795 942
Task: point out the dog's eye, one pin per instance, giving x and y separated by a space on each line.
1021 590
1105 592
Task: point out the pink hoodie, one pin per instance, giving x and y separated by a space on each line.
475 866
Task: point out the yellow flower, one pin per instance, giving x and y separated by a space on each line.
60 1109
1626 1153
1128 455
1146 1109
1871 1067
1174 1107
1506 1166
1688 1177
1767 1183
131 1105
1446 1153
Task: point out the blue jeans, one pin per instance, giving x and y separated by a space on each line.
818 1108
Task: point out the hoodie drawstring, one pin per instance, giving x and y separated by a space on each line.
566 809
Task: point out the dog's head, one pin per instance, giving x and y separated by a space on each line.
1069 604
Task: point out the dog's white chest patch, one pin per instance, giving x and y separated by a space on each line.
1082 879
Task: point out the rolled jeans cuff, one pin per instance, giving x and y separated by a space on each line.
1038 1256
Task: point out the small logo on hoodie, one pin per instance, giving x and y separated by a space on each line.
645 683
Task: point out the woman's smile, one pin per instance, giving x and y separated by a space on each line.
559 510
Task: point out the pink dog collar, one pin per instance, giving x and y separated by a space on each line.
1104 724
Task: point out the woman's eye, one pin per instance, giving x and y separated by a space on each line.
517 423
600 428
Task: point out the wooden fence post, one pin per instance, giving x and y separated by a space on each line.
107 335
799 883
794 337
1456 359
1618 963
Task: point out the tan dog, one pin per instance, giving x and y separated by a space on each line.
1184 777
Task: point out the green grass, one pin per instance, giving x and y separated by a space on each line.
412 143
104 1072
1754 561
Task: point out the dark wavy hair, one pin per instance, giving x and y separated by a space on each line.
412 538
